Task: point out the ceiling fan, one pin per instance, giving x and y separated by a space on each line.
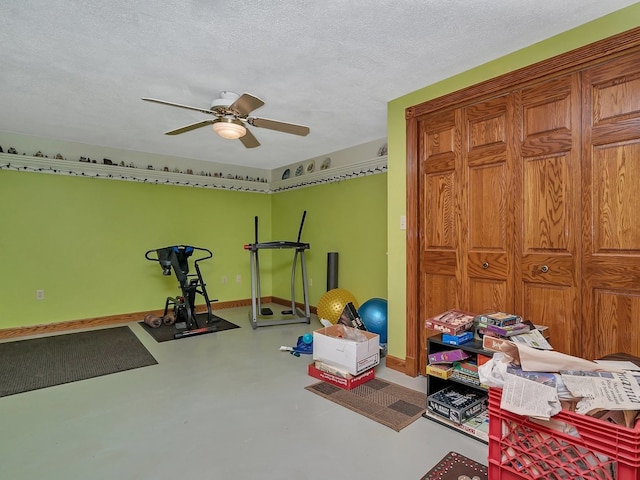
231 112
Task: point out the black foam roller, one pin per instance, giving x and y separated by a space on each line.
332 270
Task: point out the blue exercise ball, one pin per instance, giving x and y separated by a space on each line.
373 313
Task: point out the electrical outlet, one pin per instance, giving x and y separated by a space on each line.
310 282
224 279
39 295
238 278
403 222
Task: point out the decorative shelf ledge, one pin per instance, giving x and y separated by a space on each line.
25 163
335 174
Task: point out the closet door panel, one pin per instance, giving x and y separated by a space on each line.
611 183
548 245
439 230
548 269
487 238
438 195
620 311
438 287
487 295
543 300
615 198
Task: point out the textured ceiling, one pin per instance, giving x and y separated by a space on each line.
75 70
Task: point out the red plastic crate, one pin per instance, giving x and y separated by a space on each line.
570 446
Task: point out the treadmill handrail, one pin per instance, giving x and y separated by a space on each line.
276 245
209 253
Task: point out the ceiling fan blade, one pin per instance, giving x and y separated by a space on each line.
246 104
248 140
171 104
188 128
279 126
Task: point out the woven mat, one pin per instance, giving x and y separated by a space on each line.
387 403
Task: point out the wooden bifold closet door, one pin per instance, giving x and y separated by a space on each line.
524 196
549 210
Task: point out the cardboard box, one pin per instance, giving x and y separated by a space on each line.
493 343
440 371
464 337
448 356
500 319
482 359
331 345
511 330
466 378
453 322
467 366
346 383
332 369
478 425
457 404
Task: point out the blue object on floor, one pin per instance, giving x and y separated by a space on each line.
303 347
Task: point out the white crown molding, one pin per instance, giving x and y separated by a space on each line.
24 163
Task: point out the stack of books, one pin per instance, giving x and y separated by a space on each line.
466 371
500 324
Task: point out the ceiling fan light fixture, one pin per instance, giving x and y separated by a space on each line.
229 128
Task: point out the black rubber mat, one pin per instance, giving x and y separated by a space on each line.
43 362
164 333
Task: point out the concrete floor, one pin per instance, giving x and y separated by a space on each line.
227 405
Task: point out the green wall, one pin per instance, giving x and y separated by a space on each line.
83 241
607 26
347 217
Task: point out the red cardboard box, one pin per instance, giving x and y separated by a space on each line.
345 383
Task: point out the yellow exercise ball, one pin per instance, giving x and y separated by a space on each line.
332 303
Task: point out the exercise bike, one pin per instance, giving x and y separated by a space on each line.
183 307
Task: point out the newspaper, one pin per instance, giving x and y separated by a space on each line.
533 339
616 365
532 394
534 360
603 390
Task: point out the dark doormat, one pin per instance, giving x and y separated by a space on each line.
43 362
387 403
455 466
164 333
